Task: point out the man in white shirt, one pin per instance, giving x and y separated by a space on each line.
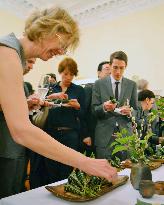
112 116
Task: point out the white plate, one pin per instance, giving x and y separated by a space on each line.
118 110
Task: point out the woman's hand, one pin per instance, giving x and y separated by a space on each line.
60 95
33 102
46 103
99 167
72 103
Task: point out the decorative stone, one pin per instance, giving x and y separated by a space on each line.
139 171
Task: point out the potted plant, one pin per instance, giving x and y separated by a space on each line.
160 107
160 113
135 147
157 154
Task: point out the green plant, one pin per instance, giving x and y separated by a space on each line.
113 100
83 184
132 143
58 101
160 107
159 154
139 202
115 162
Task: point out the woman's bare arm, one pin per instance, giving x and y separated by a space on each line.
14 106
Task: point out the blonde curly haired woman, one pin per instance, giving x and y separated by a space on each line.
47 33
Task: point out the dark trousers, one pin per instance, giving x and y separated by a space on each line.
45 171
57 171
12 175
38 175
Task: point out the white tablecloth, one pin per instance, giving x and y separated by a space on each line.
123 195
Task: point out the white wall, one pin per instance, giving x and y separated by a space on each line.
10 23
140 35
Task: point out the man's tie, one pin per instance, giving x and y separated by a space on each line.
116 90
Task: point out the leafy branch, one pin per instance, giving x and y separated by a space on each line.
132 143
160 106
83 184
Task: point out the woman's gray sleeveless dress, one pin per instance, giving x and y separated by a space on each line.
12 155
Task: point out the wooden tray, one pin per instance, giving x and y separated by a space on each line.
152 164
156 160
59 190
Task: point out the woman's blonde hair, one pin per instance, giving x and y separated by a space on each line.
46 23
70 64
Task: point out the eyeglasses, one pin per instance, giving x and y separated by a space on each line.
63 48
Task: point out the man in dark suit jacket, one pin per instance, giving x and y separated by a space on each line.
125 91
146 99
103 70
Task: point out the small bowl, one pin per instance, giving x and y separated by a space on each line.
146 188
159 187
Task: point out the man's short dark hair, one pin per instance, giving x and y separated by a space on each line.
101 65
145 94
120 55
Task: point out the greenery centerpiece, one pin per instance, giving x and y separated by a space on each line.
160 107
158 153
160 113
134 144
83 184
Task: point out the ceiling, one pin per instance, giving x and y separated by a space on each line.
86 12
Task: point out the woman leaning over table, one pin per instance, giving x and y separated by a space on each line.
47 33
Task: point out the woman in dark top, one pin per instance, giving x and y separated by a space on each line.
63 122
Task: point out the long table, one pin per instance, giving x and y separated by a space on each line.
123 195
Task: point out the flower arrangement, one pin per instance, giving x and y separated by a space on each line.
160 110
133 143
159 154
83 184
160 106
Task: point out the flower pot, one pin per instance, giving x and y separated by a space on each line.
139 171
